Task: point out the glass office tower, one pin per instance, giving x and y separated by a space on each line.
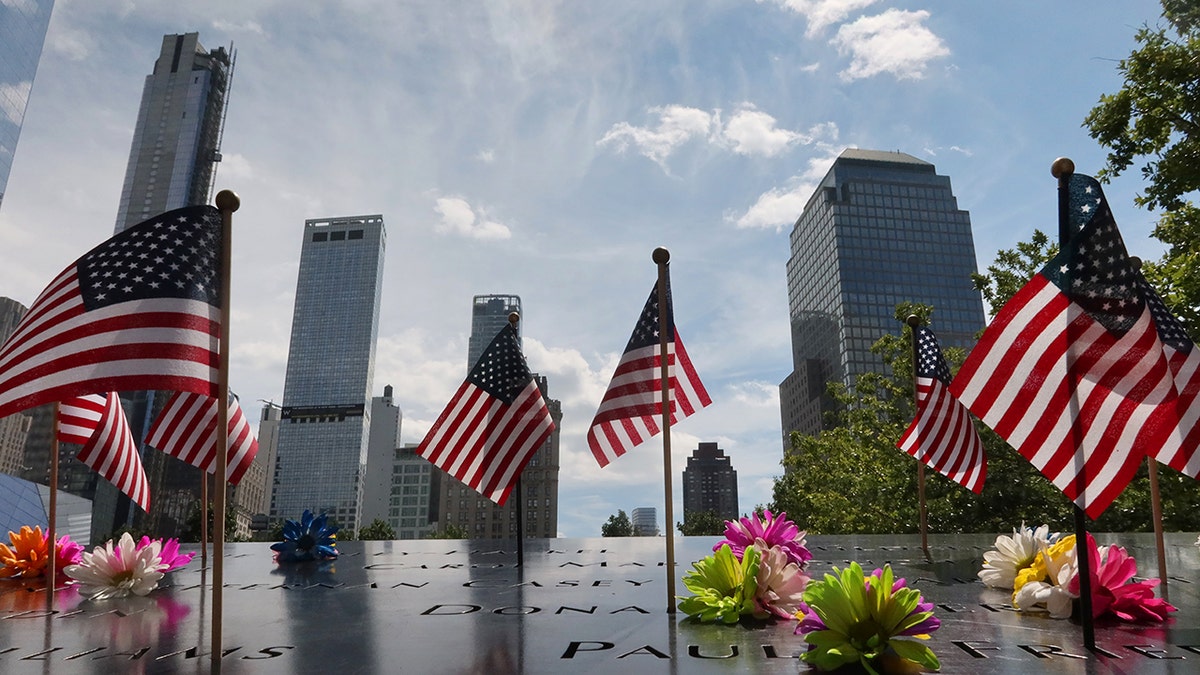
325 421
489 314
177 140
22 34
881 228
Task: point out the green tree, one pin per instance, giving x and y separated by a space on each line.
1154 121
378 530
617 526
191 526
702 523
451 531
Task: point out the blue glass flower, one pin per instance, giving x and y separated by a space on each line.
310 539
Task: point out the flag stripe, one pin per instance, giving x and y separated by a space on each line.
186 429
110 450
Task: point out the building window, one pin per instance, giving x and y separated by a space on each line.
320 236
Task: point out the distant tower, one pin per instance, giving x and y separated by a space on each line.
710 483
645 521
14 429
22 34
386 420
881 228
177 140
489 313
326 417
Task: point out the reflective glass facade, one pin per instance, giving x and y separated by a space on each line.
326 412
489 314
22 34
177 138
882 228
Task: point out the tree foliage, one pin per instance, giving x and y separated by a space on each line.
618 525
378 530
450 531
1154 121
191 526
701 523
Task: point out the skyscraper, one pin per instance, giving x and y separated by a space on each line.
489 313
177 140
326 415
710 483
881 228
645 521
22 34
384 440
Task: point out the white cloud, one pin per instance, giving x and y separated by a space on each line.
252 27
756 394
487 156
894 42
12 100
459 217
778 207
676 125
753 132
822 13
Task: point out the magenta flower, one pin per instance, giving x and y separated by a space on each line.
170 555
1113 592
66 552
774 531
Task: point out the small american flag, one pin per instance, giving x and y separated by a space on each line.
186 429
942 435
139 311
632 405
1073 372
493 424
98 423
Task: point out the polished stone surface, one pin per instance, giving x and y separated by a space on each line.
576 605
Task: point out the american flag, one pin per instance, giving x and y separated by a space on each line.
139 311
1181 448
942 435
493 424
97 422
1072 372
186 429
632 405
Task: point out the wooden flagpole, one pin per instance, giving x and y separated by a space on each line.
662 257
1156 501
227 202
1062 169
513 318
1156 514
204 517
914 322
52 514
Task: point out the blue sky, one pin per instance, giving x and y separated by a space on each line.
544 148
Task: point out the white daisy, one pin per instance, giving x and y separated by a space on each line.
115 572
1013 554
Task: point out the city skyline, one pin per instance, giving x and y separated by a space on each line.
545 151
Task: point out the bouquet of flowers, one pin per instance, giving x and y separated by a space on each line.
1048 580
30 552
756 571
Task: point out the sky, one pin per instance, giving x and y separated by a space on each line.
544 148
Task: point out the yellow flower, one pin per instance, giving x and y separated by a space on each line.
1047 563
27 557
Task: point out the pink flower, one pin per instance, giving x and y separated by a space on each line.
170 555
1112 591
774 531
66 552
781 583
